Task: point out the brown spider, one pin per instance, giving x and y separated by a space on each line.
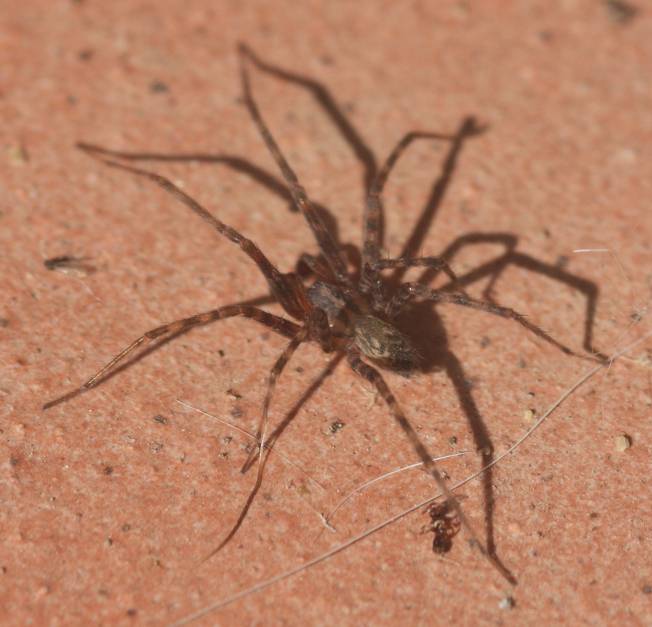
353 316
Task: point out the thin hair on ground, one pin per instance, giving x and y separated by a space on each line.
354 540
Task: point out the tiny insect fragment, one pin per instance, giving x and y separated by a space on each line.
68 264
444 525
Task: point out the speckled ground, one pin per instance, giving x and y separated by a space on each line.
110 501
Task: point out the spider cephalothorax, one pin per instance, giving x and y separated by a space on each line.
350 315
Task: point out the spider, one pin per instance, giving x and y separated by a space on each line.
353 316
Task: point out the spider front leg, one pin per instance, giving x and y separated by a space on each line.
323 236
279 325
372 375
410 291
285 287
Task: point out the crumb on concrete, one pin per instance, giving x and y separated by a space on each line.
622 442
507 603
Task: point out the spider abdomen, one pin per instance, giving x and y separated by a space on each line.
381 341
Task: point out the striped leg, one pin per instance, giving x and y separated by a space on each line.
373 214
281 286
280 325
324 238
410 291
375 378
261 433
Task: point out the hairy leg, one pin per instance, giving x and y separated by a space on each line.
277 324
376 379
373 213
324 238
286 291
410 291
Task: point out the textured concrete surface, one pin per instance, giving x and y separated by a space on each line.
110 500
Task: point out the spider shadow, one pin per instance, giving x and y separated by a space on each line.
422 319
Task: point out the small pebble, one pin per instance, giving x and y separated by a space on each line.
622 442
528 416
507 603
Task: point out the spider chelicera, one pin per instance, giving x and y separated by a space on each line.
353 316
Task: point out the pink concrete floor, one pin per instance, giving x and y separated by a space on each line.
110 500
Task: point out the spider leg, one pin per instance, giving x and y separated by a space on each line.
508 240
324 238
468 128
316 327
372 375
277 324
263 446
409 291
435 264
373 213
274 374
315 265
326 101
494 269
285 287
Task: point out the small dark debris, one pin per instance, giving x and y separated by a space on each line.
620 11
234 394
158 87
485 341
160 419
126 527
103 592
108 470
156 447
69 264
522 363
336 426
646 589
4 322
593 515
298 369
132 611
220 352
109 541
227 439
18 154
14 461
547 233
85 55
452 440
4 570
236 412
444 525
635 316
